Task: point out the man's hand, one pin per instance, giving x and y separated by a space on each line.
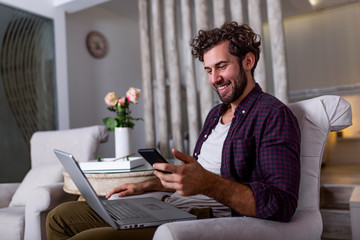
188 179
191 179
138 188
127 189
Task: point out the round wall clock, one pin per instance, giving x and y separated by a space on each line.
96 44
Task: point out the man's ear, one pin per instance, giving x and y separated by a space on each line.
248 61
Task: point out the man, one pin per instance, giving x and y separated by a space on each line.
246 160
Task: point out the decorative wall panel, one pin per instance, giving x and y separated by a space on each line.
27 83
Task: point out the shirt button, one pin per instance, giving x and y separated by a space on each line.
196 154
205 136
243 111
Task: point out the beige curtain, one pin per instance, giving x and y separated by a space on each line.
175 85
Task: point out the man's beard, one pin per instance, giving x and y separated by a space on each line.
238 88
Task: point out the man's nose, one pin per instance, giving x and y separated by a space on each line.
214 77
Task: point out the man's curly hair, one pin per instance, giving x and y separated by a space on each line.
242 40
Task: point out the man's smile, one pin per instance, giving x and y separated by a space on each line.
223 87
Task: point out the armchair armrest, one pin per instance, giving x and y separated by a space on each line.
355 212
39 202
306 224
47 197
7 191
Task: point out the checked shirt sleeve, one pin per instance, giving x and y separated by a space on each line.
276 190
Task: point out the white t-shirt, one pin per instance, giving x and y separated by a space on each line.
210 154
210 159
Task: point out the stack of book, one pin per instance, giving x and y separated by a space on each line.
111 164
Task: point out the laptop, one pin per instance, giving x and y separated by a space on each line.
122 213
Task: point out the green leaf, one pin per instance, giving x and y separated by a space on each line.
111 123
135 119
130 124
120 117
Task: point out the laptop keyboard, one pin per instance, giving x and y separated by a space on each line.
125 210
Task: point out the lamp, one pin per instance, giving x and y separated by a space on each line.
352 132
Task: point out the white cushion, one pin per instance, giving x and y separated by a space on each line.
39 176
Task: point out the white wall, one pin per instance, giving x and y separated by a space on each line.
324 49
91 79
323 53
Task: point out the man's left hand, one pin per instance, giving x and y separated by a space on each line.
187 179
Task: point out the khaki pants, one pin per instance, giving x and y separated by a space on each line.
76 220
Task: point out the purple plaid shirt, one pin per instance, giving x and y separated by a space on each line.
262 150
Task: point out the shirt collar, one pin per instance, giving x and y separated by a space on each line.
245 104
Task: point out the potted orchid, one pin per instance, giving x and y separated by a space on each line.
121 106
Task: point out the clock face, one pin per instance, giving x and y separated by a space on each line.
96 44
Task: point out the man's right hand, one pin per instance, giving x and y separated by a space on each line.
127 190
138 188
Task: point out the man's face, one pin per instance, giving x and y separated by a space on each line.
226 73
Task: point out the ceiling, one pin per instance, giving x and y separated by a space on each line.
128 8
297 7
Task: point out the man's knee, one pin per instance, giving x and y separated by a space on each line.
56 220
64 210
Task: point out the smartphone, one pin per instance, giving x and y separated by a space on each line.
151 155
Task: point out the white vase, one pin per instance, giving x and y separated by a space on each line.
122 141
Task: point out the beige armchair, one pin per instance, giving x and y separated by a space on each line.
24 206
316 117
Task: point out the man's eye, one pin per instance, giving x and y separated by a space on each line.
222 66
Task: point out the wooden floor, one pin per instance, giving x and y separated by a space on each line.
348 174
